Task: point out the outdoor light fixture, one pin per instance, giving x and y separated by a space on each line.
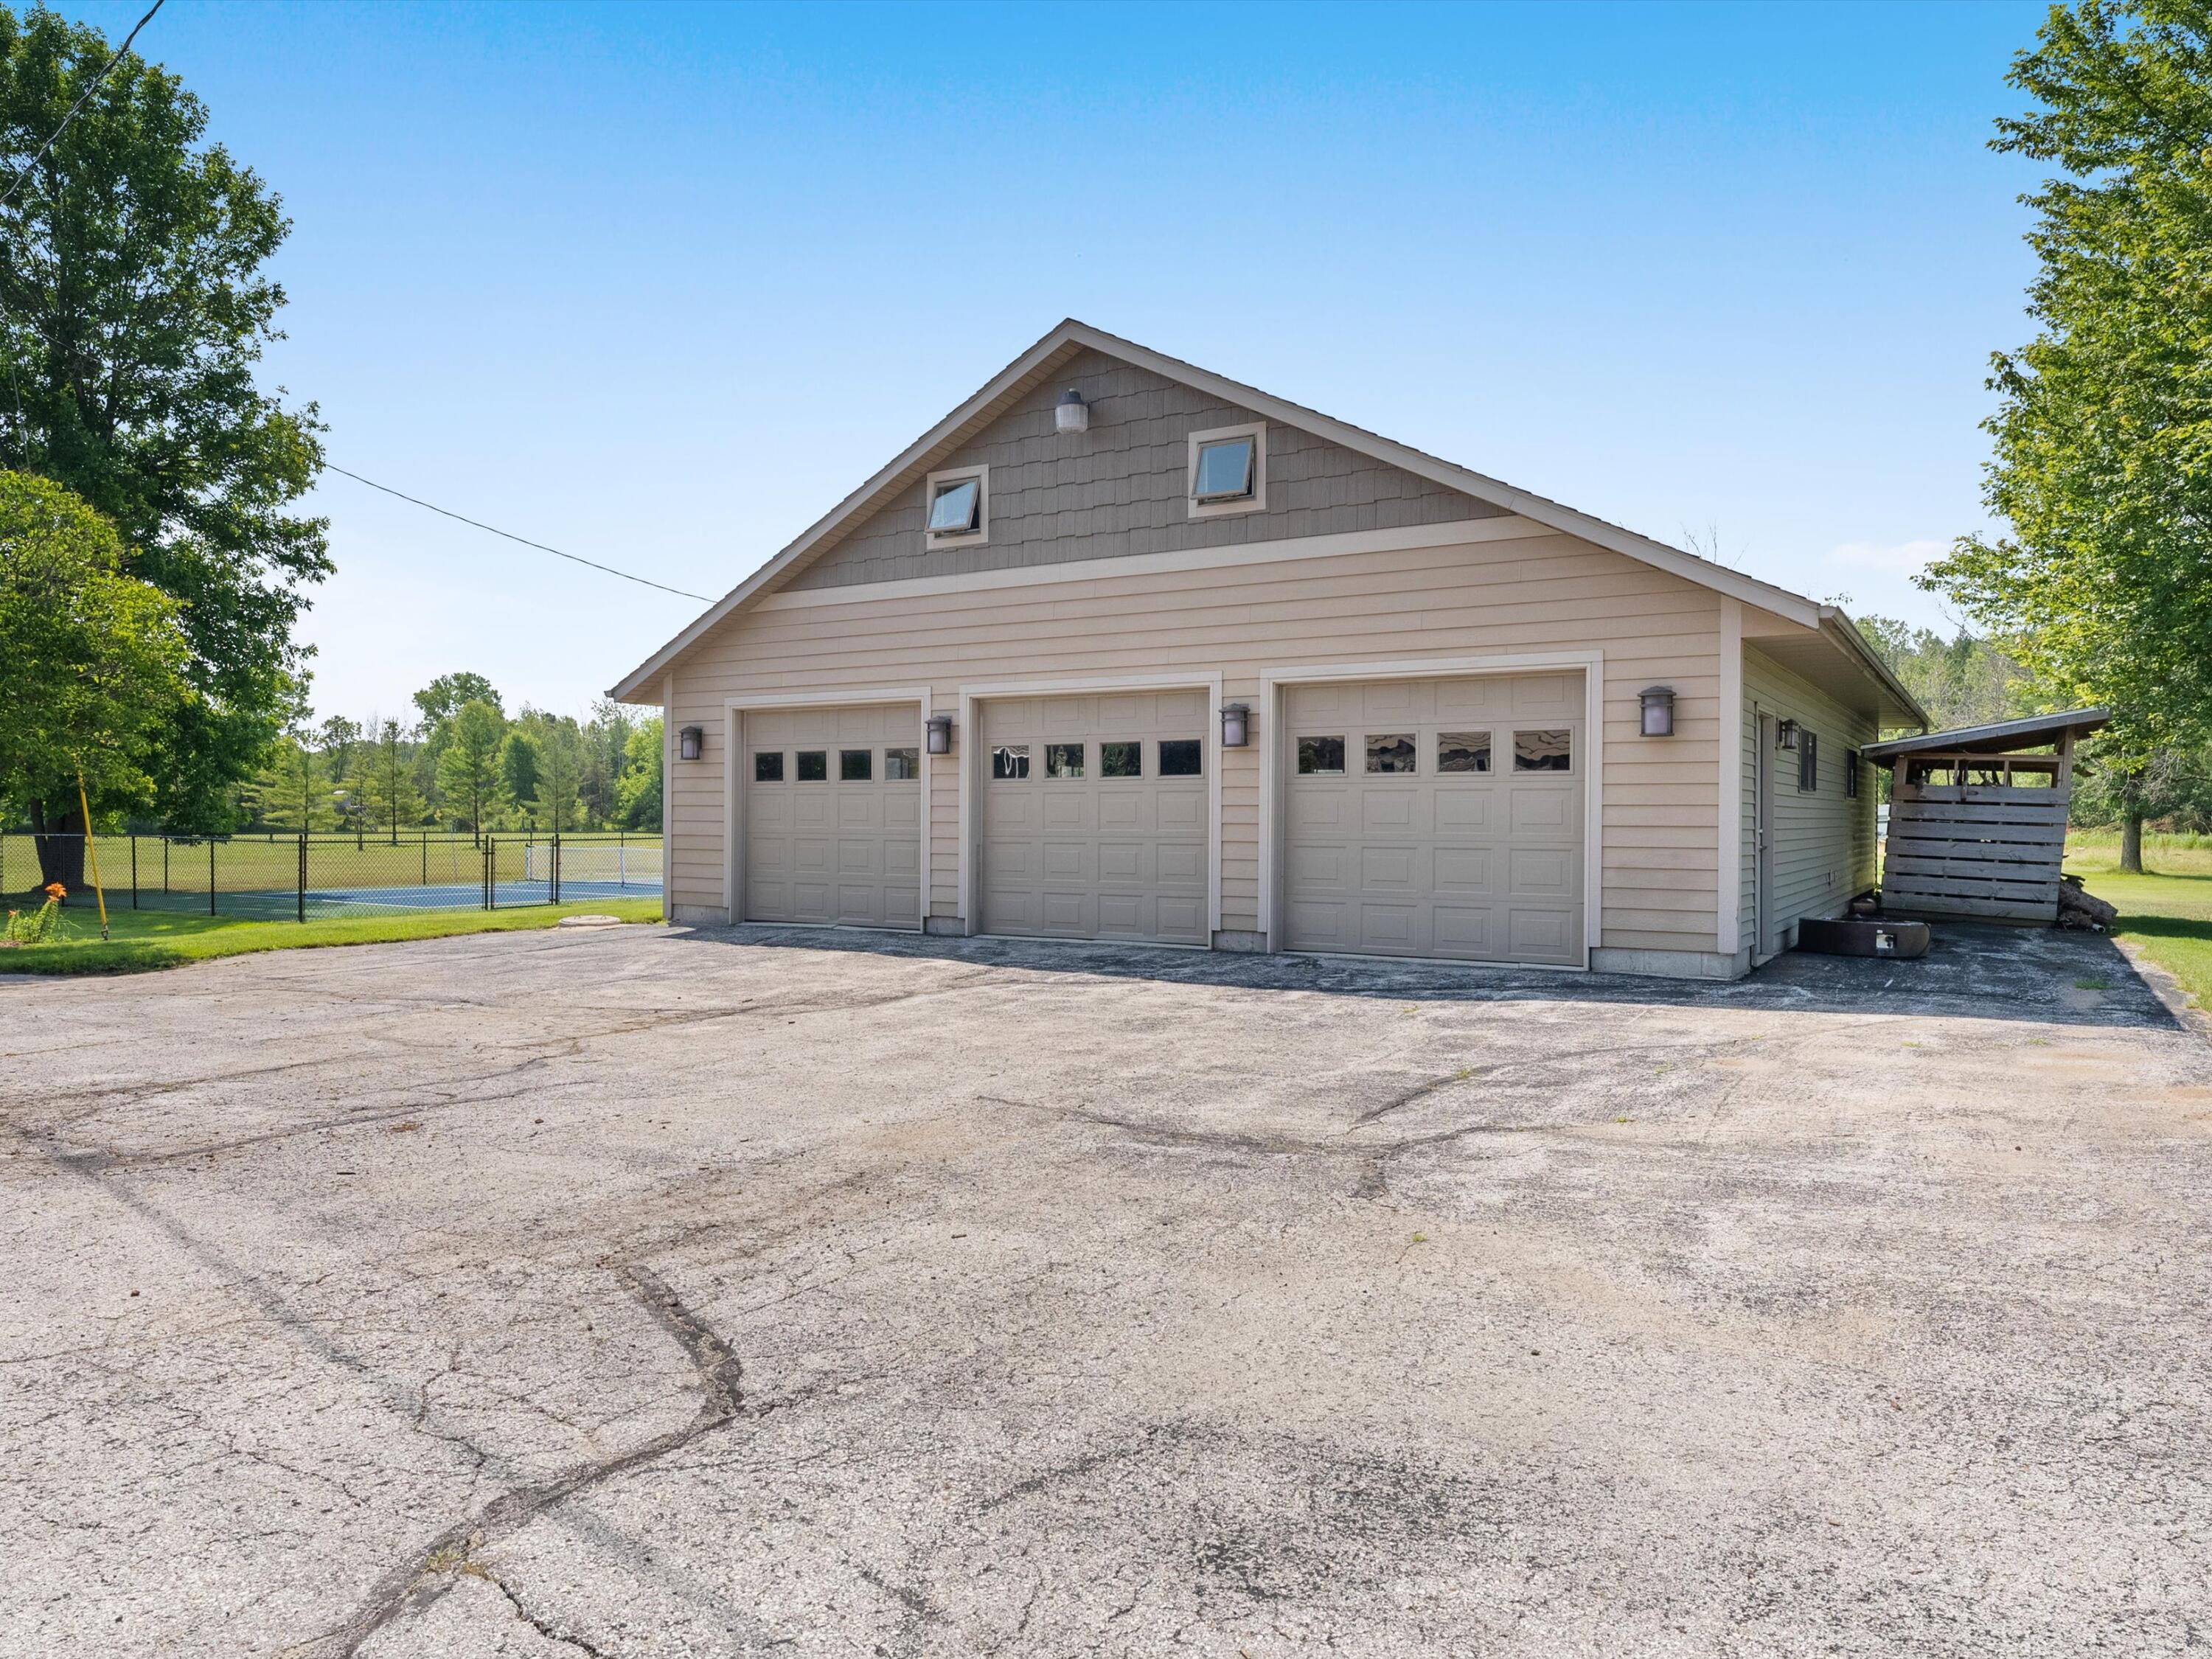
940 734
690 742
1785 735
1073 413
1236 724
1658 711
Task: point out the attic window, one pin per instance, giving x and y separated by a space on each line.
1229 470
1224 471
956 509
958 512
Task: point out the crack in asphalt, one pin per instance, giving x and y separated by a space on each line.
531 1619
1269 1146
721 1374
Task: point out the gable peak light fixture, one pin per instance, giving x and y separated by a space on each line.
1236 724
1658 701
690 743
939 734
1072 413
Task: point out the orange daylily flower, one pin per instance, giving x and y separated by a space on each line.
55 890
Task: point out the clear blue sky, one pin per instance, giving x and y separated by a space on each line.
659 284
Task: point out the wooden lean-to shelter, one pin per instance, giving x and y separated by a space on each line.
1978 818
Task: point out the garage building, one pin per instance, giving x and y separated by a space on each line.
1124 650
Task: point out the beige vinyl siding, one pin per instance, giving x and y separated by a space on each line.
1824 852
1543 592
1122 488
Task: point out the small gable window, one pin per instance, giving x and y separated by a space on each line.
1224 471
956 508
1229 470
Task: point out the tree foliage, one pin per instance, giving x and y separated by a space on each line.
133 310
468 767
92 660
1961 681
2103 454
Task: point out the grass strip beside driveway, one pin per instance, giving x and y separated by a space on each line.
2167 913
141 940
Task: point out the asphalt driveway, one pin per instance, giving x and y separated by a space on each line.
652 1291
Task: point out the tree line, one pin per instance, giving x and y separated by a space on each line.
462 764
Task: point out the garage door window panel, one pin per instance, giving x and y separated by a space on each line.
769 768
1010 763
1179 757
856 765
1391 752
1543 749
1121 760
1064 760
1321 757
901 765
813 765
1463 751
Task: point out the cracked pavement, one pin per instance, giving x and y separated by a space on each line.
655 1292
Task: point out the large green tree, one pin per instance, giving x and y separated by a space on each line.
468 767
394 802
2102 586
133 310
92 666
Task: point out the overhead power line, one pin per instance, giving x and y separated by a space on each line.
642 582
17 184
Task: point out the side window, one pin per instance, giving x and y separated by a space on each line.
813 765
1179 757
1121 760
856 765
1543 751
1010 760
1063 760
1808 761
1462 752
902 764
1392 752
768 768
1321 757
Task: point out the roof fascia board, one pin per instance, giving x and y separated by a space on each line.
1840 627
2034 728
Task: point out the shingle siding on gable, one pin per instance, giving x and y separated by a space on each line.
1119 489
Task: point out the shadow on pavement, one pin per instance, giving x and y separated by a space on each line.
1969 973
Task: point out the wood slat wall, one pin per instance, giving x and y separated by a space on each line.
1978 851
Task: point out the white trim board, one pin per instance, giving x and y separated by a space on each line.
734 710
971 758
1592 666
1730 821
1459 533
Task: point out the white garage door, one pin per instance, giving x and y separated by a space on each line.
1093 816
832 801
1435 818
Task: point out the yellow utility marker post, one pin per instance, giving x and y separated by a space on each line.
91 853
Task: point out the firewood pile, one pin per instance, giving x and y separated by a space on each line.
2083 910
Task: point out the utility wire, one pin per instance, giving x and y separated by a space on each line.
73 108
479 524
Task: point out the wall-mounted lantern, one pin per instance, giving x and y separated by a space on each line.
1236 724
940 734
1658 711
1785 735
690 743
1072 413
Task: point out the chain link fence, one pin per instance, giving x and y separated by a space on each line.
278 878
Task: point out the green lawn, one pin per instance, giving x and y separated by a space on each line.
141 939
2166 912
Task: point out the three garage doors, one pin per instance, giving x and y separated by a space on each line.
1420 818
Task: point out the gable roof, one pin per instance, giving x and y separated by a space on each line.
1044 359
